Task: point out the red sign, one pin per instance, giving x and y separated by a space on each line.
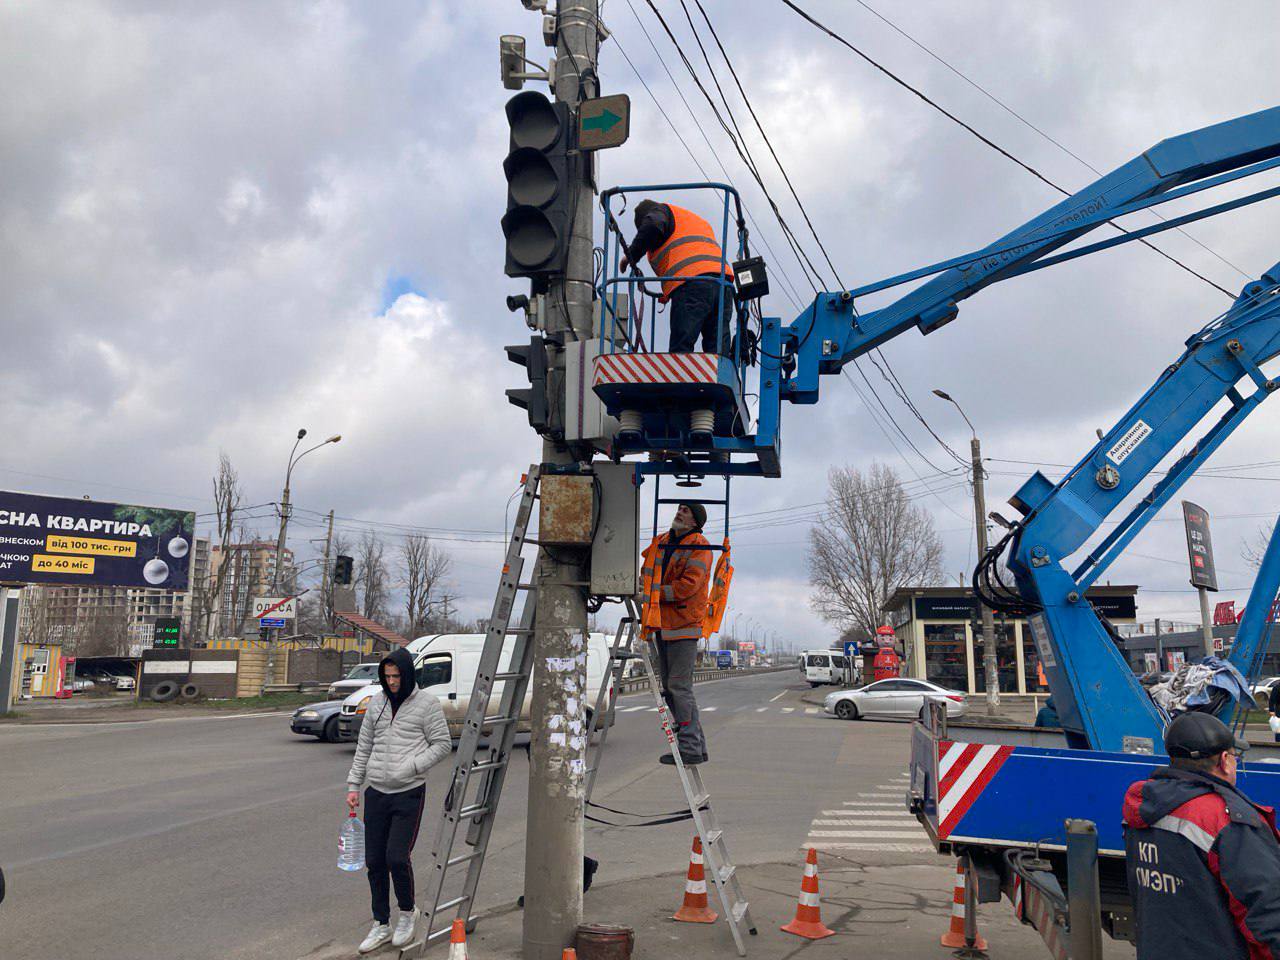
1224 614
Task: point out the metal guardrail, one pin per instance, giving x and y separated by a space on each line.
701 676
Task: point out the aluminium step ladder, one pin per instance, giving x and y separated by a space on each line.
484 767
723 872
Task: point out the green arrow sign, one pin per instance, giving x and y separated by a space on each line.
604 122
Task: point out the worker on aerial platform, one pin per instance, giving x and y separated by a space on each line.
680 244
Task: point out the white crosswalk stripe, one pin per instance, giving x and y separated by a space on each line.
877 821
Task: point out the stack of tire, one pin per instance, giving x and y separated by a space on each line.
168 690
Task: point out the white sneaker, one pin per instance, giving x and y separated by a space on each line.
379 935
406 927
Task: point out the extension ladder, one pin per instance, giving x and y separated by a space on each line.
484 768
723 872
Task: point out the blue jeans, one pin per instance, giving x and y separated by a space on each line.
693 312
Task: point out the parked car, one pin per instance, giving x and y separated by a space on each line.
81 684
446 665
123 682
317 720
359 677
900 697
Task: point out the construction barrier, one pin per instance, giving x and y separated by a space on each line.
808 921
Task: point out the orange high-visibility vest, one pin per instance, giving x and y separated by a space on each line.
690 251
675 595
720 582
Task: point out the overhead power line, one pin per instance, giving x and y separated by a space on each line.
1023 120
983 138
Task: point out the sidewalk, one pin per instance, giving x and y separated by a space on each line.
886 912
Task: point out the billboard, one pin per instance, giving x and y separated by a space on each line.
87 543
1199 546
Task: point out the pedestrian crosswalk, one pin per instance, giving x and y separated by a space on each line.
875 821
798 711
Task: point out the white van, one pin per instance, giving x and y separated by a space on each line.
827 667
446 665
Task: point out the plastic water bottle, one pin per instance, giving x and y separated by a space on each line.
351 844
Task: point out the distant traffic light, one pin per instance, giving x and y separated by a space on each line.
534 397
539 201
342 569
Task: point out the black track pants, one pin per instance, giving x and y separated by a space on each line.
390 829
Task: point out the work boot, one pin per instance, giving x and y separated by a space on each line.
406 926
379 935
688 759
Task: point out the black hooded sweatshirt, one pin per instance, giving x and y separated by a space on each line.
403 659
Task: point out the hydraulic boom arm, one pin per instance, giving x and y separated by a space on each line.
830 333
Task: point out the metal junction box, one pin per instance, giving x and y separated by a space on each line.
567 509
615 550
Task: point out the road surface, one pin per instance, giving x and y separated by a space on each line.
215 837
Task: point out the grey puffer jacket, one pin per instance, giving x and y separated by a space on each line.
397 747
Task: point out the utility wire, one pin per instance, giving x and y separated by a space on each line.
789 289
759 126
806 264
891 377
986 140
1019 117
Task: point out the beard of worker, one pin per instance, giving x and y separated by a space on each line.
689 517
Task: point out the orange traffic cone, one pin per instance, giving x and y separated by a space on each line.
955 936
458 940
569 954
808 921
695 909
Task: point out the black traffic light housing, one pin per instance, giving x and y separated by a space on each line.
342 569
539 199
534 397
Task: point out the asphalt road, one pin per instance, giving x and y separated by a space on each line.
214 837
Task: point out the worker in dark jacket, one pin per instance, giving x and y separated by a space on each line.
681 245
1203 861
1273 704
1047 716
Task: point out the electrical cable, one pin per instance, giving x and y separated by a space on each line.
1019 117
983 138
812 275
791 292
768 143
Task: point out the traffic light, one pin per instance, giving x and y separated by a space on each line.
534 397
539 196
342 568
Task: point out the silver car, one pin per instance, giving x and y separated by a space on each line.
901 697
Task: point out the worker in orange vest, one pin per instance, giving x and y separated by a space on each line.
674 582
681 244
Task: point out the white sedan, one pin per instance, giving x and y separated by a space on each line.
900 697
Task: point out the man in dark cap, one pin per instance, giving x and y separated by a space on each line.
1203 860
677 571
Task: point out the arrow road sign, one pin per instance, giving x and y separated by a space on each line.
604 122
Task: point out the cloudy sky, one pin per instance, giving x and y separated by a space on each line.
221 222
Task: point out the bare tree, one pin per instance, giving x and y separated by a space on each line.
870 541
105 633
423 569
1252 550
207 596
37 614
371 575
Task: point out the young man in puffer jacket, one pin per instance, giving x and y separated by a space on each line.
404 735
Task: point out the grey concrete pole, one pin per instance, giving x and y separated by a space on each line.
1206 624
557 776
990 672
10 604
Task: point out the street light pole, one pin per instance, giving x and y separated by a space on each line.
990 672
285 510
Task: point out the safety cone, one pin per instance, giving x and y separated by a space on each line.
695 909
955 936
569 954
458 940
808 921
